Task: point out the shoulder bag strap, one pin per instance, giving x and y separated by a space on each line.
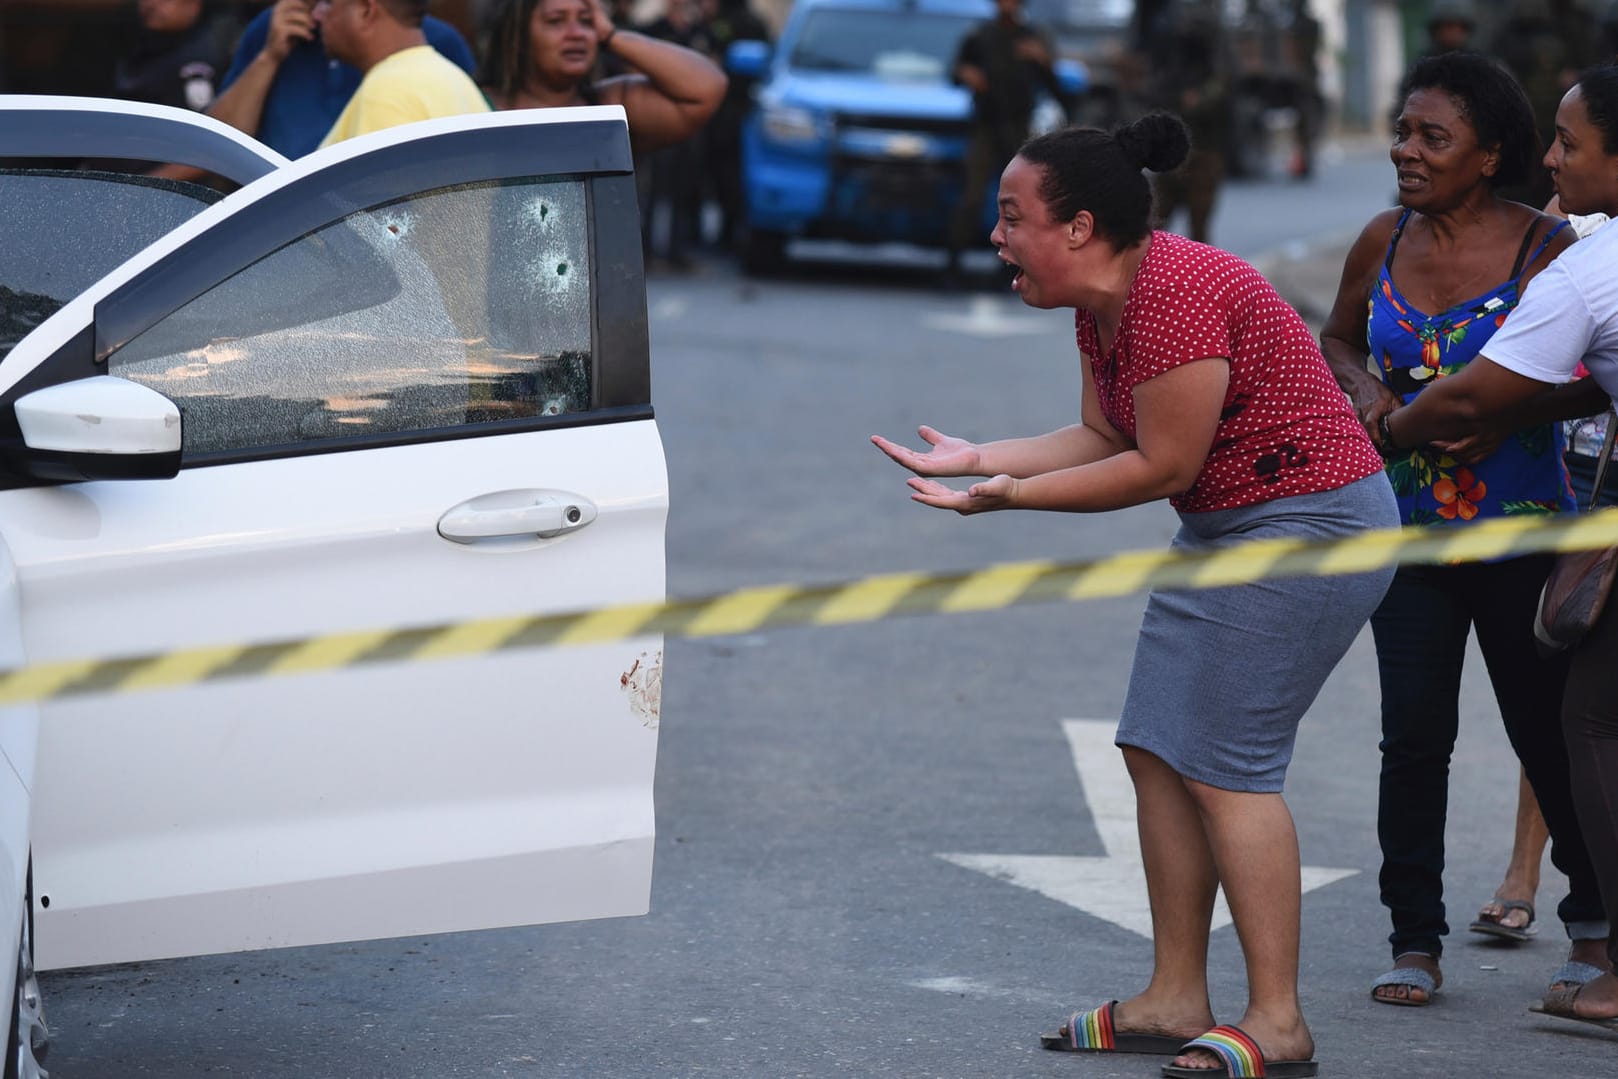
1604 460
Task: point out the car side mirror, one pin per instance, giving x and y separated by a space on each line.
98 428
748 59
1072 77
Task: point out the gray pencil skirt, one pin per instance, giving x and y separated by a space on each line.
1223 676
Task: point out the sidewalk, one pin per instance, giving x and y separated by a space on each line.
1307 274
1306 271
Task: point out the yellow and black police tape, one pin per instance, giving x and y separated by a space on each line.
867 600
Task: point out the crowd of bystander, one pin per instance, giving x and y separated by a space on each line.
301 74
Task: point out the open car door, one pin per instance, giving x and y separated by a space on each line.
412 387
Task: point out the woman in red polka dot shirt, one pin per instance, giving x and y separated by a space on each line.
1203 387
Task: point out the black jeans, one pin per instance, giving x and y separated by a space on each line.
1421 631
1590 720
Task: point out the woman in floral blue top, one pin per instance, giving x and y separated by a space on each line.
1424 288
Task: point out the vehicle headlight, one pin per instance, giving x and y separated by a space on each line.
785 123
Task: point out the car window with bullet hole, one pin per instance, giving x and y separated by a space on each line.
464 305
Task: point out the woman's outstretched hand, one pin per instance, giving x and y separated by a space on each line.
948 456
991 494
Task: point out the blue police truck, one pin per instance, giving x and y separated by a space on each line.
858 129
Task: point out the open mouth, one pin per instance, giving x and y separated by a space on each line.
1411 179
1013 271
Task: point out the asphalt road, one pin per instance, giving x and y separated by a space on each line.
868 836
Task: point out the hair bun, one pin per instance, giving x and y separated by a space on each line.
1157 141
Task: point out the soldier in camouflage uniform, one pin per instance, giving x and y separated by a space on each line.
1546 44
1191 78
1004 62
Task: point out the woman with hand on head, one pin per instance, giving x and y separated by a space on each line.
1203 387
1568 316
1423 290
542 54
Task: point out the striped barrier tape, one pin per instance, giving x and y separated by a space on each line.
867 600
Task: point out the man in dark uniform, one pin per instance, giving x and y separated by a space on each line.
1546 44
1310 106
179 55
730 22
1191 78
674 173
1450 24
1003 62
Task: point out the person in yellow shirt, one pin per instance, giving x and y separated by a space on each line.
406 79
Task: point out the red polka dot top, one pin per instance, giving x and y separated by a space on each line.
1286 428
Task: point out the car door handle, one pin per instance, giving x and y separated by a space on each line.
516 513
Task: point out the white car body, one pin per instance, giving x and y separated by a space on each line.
487 788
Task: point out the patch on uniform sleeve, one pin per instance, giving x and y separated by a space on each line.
197 80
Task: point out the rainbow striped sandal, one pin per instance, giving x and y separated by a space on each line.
1093 1032
1241 1058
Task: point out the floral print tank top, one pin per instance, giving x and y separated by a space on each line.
1414 349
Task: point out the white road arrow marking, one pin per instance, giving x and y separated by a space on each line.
985 316
1112 887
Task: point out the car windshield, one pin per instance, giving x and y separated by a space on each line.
908 46
1081 14
65 230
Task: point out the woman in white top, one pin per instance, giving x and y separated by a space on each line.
1569 315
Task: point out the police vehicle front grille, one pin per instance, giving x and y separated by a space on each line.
895 185
903 123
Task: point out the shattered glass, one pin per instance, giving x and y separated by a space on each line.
465 305
61 231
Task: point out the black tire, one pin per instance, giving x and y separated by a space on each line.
10 1071
764 252
21 1062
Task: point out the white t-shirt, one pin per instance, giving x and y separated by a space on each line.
1585 224
1586 436
1568 313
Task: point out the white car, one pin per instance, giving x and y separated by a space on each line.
401 382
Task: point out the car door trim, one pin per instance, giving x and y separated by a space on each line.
595 417
622 334
40 126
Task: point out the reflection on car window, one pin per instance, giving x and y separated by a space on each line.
904 46
63 231
465 305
